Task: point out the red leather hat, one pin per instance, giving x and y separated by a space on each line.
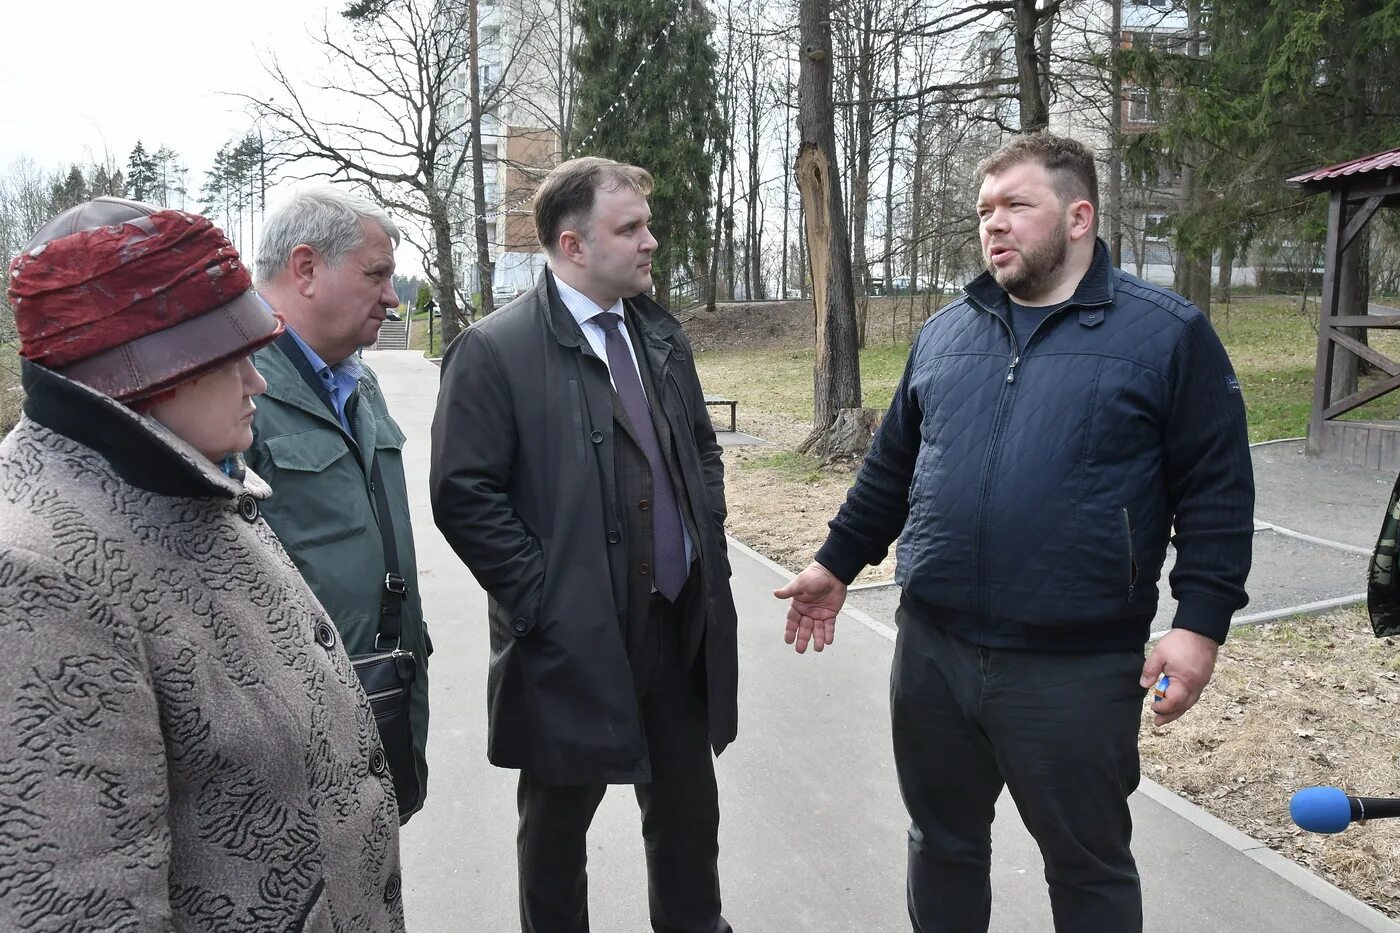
132 299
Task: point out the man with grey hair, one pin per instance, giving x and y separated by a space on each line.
324 440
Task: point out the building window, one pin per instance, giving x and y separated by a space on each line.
1155 227
1141 107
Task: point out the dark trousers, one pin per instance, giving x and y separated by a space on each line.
680 809
1060 731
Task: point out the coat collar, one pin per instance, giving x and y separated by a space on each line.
143 452
279 365
1094 290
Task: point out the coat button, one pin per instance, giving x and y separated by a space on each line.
596 437
644 505
378 764
325 635
614 537
644 569
248 508
520 626
392 888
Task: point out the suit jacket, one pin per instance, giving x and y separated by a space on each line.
524 488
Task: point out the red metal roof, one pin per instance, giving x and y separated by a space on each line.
1379 162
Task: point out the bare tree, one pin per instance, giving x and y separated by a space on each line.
391 112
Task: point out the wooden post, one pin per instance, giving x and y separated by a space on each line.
1331 291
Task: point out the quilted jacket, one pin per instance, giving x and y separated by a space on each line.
1039 484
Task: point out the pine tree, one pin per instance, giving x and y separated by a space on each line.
1288 86
68 191
170 174
656 107
140 174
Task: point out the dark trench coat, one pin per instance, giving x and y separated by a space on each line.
523 488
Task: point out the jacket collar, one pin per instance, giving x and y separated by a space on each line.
1094 290
143 452
652 321
283 364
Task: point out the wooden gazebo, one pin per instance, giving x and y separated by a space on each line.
1355 190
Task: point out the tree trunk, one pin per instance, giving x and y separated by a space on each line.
1192 273
863 124
787 174
485 268
755 231
1114 212
1227 271
916 196
1035 112
889 192
661 285
441 222
836 375
722 146
729 265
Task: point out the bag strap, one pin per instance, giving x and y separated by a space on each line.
395 586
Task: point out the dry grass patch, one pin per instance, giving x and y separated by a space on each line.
1293 704
11 398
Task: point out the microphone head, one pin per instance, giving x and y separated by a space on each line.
1320 809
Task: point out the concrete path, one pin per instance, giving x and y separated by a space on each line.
813 833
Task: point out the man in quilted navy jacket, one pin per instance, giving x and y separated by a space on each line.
1053 429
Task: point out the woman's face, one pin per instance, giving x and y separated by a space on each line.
214 412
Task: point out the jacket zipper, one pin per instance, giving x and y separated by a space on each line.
1132 560
994 443
991 461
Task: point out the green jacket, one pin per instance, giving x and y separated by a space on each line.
322 509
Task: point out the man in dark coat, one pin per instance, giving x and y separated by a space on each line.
575 472
1055 425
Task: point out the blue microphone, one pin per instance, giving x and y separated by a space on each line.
1329 810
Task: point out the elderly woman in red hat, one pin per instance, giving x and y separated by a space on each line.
185 745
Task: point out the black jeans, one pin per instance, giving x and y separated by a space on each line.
680 810
1060 731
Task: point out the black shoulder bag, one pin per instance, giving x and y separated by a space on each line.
388 673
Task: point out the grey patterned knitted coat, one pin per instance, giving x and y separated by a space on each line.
183 744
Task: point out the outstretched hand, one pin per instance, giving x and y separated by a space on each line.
1188 658
817 596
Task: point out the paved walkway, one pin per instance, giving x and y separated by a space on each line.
813 833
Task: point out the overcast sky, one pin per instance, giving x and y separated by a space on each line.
80 77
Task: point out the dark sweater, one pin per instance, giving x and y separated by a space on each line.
1036 496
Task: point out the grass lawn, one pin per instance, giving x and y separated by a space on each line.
10 398
418 336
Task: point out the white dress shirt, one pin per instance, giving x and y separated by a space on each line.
583 309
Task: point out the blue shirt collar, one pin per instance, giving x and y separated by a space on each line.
318 365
